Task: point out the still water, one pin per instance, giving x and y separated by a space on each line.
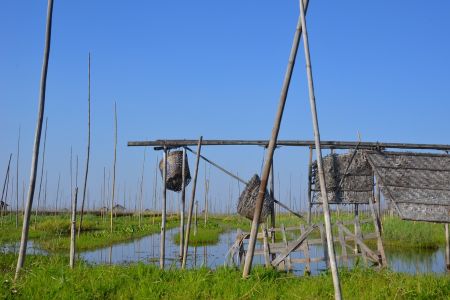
146 250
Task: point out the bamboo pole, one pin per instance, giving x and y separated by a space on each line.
42 173
447 246
195 218
325 207
5 186
114 165
309 184
205 210
141 190
191 205
57 194
17 180
158 144
183 202
88 146
271 148
37 140
73 228
162 251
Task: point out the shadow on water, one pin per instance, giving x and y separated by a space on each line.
146 250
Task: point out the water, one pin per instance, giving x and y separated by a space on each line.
146 250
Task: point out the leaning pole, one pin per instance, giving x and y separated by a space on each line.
271 149
37 140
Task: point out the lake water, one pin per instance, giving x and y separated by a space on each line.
146 250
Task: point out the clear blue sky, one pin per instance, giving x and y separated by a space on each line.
181 69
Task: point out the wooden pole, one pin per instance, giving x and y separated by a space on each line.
141 192
191 206
326 213
17 181
447 247
309 184
162 251
206 198
195 218
57 194
5 186
183 201
42 173
88 146
271 148
73 228
114 165
37 140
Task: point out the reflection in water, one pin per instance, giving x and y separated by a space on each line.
146 250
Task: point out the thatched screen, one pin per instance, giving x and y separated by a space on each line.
417 183
353 186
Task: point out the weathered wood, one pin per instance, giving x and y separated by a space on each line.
376 223
293 245
42 173
447 247
159 144
325 207
309 184
73 222
305 249
88 148
369 253
287 260
191 206
17 180
323 240
37 141
162 249
266 248
183 202
343 245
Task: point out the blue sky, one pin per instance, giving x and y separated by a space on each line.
182 69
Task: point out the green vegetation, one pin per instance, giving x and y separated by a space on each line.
52 232
50 277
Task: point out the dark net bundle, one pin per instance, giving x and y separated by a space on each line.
247 200
357 183
174 180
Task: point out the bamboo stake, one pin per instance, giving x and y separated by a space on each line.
162 251
73 228
114 165
205 210
195 218
17 180
309 185
191 206
270 150
141 192
42 173
37 140
57 194
447 247
326 213
5 185
183 202
88 146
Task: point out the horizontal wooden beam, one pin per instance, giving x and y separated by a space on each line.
159 144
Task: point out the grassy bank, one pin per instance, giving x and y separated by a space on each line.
49 278
52 232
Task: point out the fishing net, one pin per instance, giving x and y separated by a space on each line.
174 181
247 200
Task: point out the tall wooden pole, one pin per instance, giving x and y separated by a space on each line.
114 165
42 172
17 180
37 140
73 227
447 247
141 194
162 248
5 185
271 149
323 190
183 202
309 184
88 146
191 205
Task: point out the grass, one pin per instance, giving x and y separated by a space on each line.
52 232
49 277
